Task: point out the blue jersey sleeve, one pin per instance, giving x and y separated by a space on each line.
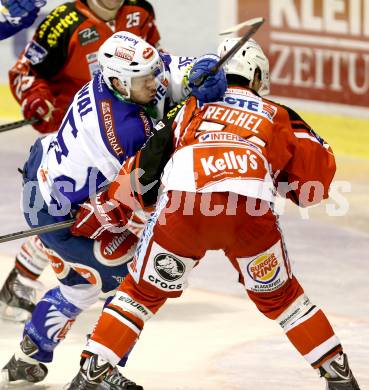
124 126
134 132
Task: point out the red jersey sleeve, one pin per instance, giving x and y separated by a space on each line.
311 165
44 57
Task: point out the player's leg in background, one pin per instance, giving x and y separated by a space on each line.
51 320
17 296
265 270
18 293
80 285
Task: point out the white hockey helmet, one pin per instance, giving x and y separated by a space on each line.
126 56
245 62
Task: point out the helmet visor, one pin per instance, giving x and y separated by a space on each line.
156 76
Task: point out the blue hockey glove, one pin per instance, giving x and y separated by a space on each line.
214 86
19 8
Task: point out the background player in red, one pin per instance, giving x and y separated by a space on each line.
62 55
223 163
59 60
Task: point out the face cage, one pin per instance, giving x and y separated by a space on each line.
158 71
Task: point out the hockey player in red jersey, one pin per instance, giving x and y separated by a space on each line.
222 163
59 60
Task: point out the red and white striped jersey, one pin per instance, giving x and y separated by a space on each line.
247 145
243 144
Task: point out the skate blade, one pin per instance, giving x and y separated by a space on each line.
18 385
14 314
4 379
23 385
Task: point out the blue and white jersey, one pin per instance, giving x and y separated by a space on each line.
11 25
97 134
174 87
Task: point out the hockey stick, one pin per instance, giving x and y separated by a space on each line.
255 24
238 27
15 125
38 230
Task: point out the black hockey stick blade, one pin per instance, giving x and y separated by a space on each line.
254 26
17 124
42 229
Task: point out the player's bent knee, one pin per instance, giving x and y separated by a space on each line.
142 293
126 303
81 296
300 310
273 304
267 271
32 258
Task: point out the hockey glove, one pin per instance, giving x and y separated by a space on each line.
214 86
101 214
39 105
20 8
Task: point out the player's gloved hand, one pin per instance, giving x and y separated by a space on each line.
23 22
214 86
101 214
19 8
39 105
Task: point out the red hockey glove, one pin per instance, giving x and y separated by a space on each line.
101 214
136 222
39 105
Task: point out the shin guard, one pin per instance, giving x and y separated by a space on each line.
51 320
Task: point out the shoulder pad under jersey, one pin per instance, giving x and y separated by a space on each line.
142 3
124 126
166 58
297 123
62 21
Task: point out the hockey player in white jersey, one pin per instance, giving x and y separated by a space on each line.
108 121
44 81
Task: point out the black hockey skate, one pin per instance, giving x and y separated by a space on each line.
116 381
345 379
18 369
93 371
17 297
80 382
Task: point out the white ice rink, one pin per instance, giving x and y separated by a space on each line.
213 337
